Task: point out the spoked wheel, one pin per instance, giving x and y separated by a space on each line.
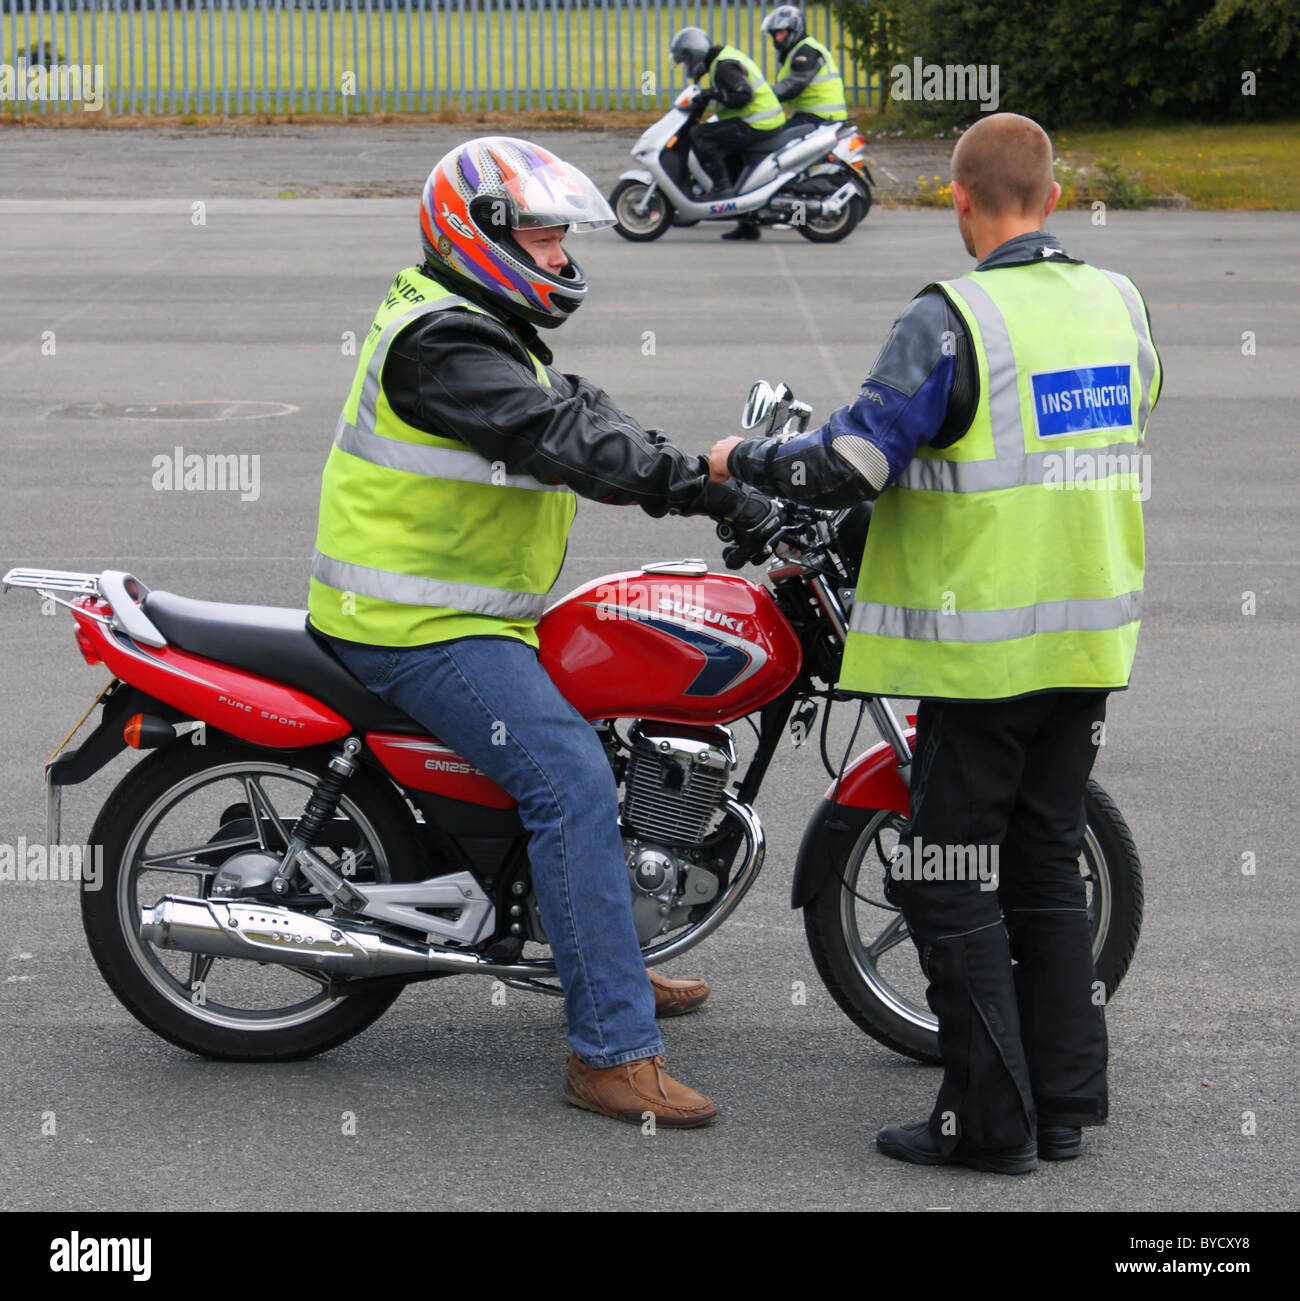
633 223
171 824
867 961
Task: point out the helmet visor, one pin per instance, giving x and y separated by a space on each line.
557 194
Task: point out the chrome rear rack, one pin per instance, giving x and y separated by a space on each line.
52 580
123 591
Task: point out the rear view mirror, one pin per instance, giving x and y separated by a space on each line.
764 403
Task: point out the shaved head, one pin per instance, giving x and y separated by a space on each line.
1005 163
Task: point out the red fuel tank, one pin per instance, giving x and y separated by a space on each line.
670 642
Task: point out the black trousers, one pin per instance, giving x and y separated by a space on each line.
1024 1044
713 141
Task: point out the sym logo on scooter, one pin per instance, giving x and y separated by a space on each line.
729 206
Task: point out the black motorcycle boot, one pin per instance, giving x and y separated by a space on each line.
916 1144
985 1102
744 230
1059 1142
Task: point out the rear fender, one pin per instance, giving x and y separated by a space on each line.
870 783
120 703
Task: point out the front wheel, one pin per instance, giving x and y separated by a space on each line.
633 223
864 953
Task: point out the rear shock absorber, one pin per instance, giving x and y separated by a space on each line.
320 809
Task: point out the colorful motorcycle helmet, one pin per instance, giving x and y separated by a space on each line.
690 46
478 195
785 26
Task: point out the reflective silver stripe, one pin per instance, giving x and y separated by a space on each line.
1012 466
408 589
1004 389
464 466
765 116
1072 465
1101 615
1146 350
370 385
865 457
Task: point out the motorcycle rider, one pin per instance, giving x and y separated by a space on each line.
748 110
1010 609
445 506
808 79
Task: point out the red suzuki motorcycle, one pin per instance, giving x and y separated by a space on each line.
294 851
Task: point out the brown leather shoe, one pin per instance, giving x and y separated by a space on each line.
627 1092
677 997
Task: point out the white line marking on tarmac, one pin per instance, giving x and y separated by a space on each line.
814 329
88 301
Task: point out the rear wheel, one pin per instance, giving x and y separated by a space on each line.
169 826
630 220
821 182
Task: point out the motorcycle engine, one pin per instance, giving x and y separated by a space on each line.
673 789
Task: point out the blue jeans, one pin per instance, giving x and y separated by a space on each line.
490 700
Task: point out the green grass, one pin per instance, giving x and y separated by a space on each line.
295 61
1228 166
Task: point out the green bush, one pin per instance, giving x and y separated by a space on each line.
1106 62
1118 188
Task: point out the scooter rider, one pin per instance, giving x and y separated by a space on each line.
808 79
445 508
1001 585
747 111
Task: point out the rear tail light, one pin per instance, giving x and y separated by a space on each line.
86 646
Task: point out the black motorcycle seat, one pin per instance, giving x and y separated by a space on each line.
779 139
274 643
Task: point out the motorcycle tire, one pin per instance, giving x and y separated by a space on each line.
899 1017
841 228
189 1012
632 225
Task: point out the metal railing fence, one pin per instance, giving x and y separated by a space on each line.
184 57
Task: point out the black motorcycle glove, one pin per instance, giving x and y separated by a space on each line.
750 528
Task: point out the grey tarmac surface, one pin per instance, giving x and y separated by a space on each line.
457 1101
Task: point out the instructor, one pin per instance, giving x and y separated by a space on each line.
1001 585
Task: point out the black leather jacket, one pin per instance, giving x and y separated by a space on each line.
730 81
804 66
463 375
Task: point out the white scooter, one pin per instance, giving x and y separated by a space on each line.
812 177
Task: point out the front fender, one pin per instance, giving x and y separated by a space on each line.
638 174
871 782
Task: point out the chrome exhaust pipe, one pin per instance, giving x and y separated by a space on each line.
266 933
229 928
